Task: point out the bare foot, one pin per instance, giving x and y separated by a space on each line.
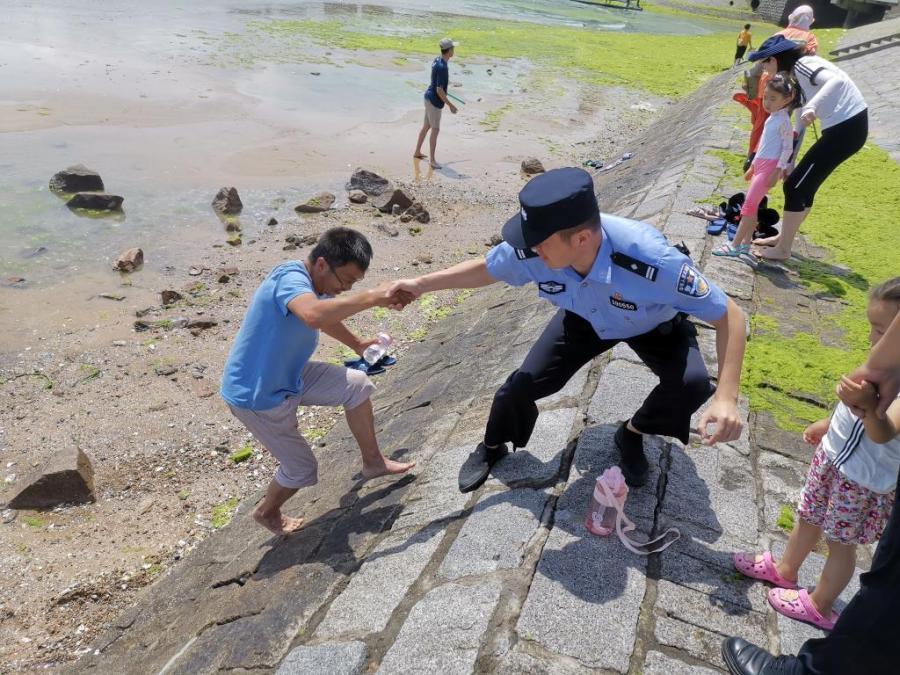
435 165
767 241
771 253
279 523
419 155
389 467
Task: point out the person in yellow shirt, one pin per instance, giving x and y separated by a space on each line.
744 40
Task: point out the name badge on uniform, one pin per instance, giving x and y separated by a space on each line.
617 301
551 287
692 283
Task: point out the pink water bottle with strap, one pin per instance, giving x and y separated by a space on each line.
602 512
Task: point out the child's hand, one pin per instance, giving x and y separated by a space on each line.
749 175
773 181
859 396
814 433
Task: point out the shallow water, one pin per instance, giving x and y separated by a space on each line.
144 93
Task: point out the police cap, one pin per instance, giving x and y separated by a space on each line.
550 202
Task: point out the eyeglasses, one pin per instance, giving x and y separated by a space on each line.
345 285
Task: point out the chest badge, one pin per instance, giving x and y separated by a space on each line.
616 300
551 287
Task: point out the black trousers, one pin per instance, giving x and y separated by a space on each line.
836 145
568 342
866 638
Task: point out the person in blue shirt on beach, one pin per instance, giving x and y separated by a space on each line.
435 98
269 373
613 280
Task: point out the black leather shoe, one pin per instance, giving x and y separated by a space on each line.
477 466
744 658
635 467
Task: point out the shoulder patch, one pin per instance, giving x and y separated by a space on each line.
525 253
692 283
551 287
636 266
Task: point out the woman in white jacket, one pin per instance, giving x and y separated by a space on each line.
829 95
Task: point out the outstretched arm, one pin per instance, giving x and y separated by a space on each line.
319 313
468 274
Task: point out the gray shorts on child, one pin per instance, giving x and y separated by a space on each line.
276 428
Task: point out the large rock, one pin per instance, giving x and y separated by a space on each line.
67 478
76 178
98 201
386 202
370 183
317 203
129 260
228 201
532 166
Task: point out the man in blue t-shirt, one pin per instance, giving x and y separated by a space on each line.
269 374
435 98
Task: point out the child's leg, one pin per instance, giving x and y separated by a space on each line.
837 574
803 539
759 187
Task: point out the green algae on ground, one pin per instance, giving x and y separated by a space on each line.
492 120
786 518
851 219
593 57
242 455
222 513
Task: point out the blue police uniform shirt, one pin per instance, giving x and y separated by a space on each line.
273 345
619 302
440 77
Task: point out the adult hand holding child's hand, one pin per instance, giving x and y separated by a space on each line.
861 397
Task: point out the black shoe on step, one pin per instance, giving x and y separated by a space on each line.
477 466
635 467
744 658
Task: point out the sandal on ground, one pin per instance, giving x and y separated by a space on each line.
797 605
729 251
761 567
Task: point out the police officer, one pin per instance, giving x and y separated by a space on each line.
614 280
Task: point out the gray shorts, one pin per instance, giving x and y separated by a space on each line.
276 428
433 115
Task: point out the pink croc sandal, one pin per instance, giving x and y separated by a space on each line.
764 569
797 605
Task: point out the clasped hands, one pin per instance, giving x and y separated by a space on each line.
397 294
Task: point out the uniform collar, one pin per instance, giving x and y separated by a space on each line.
601 270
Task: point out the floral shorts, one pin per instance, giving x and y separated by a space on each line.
846 511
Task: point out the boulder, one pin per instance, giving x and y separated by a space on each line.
370 183
531 166
317 203
385 203
227 201
76 178
358 197
98 201
130 260
67 478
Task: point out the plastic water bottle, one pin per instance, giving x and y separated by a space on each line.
601 515
374 352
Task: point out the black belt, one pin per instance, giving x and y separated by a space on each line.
666 327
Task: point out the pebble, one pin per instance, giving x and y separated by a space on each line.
8 515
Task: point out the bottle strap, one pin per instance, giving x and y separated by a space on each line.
623 525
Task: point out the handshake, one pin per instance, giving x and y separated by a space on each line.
397 294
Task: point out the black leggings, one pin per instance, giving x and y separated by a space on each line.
837 144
